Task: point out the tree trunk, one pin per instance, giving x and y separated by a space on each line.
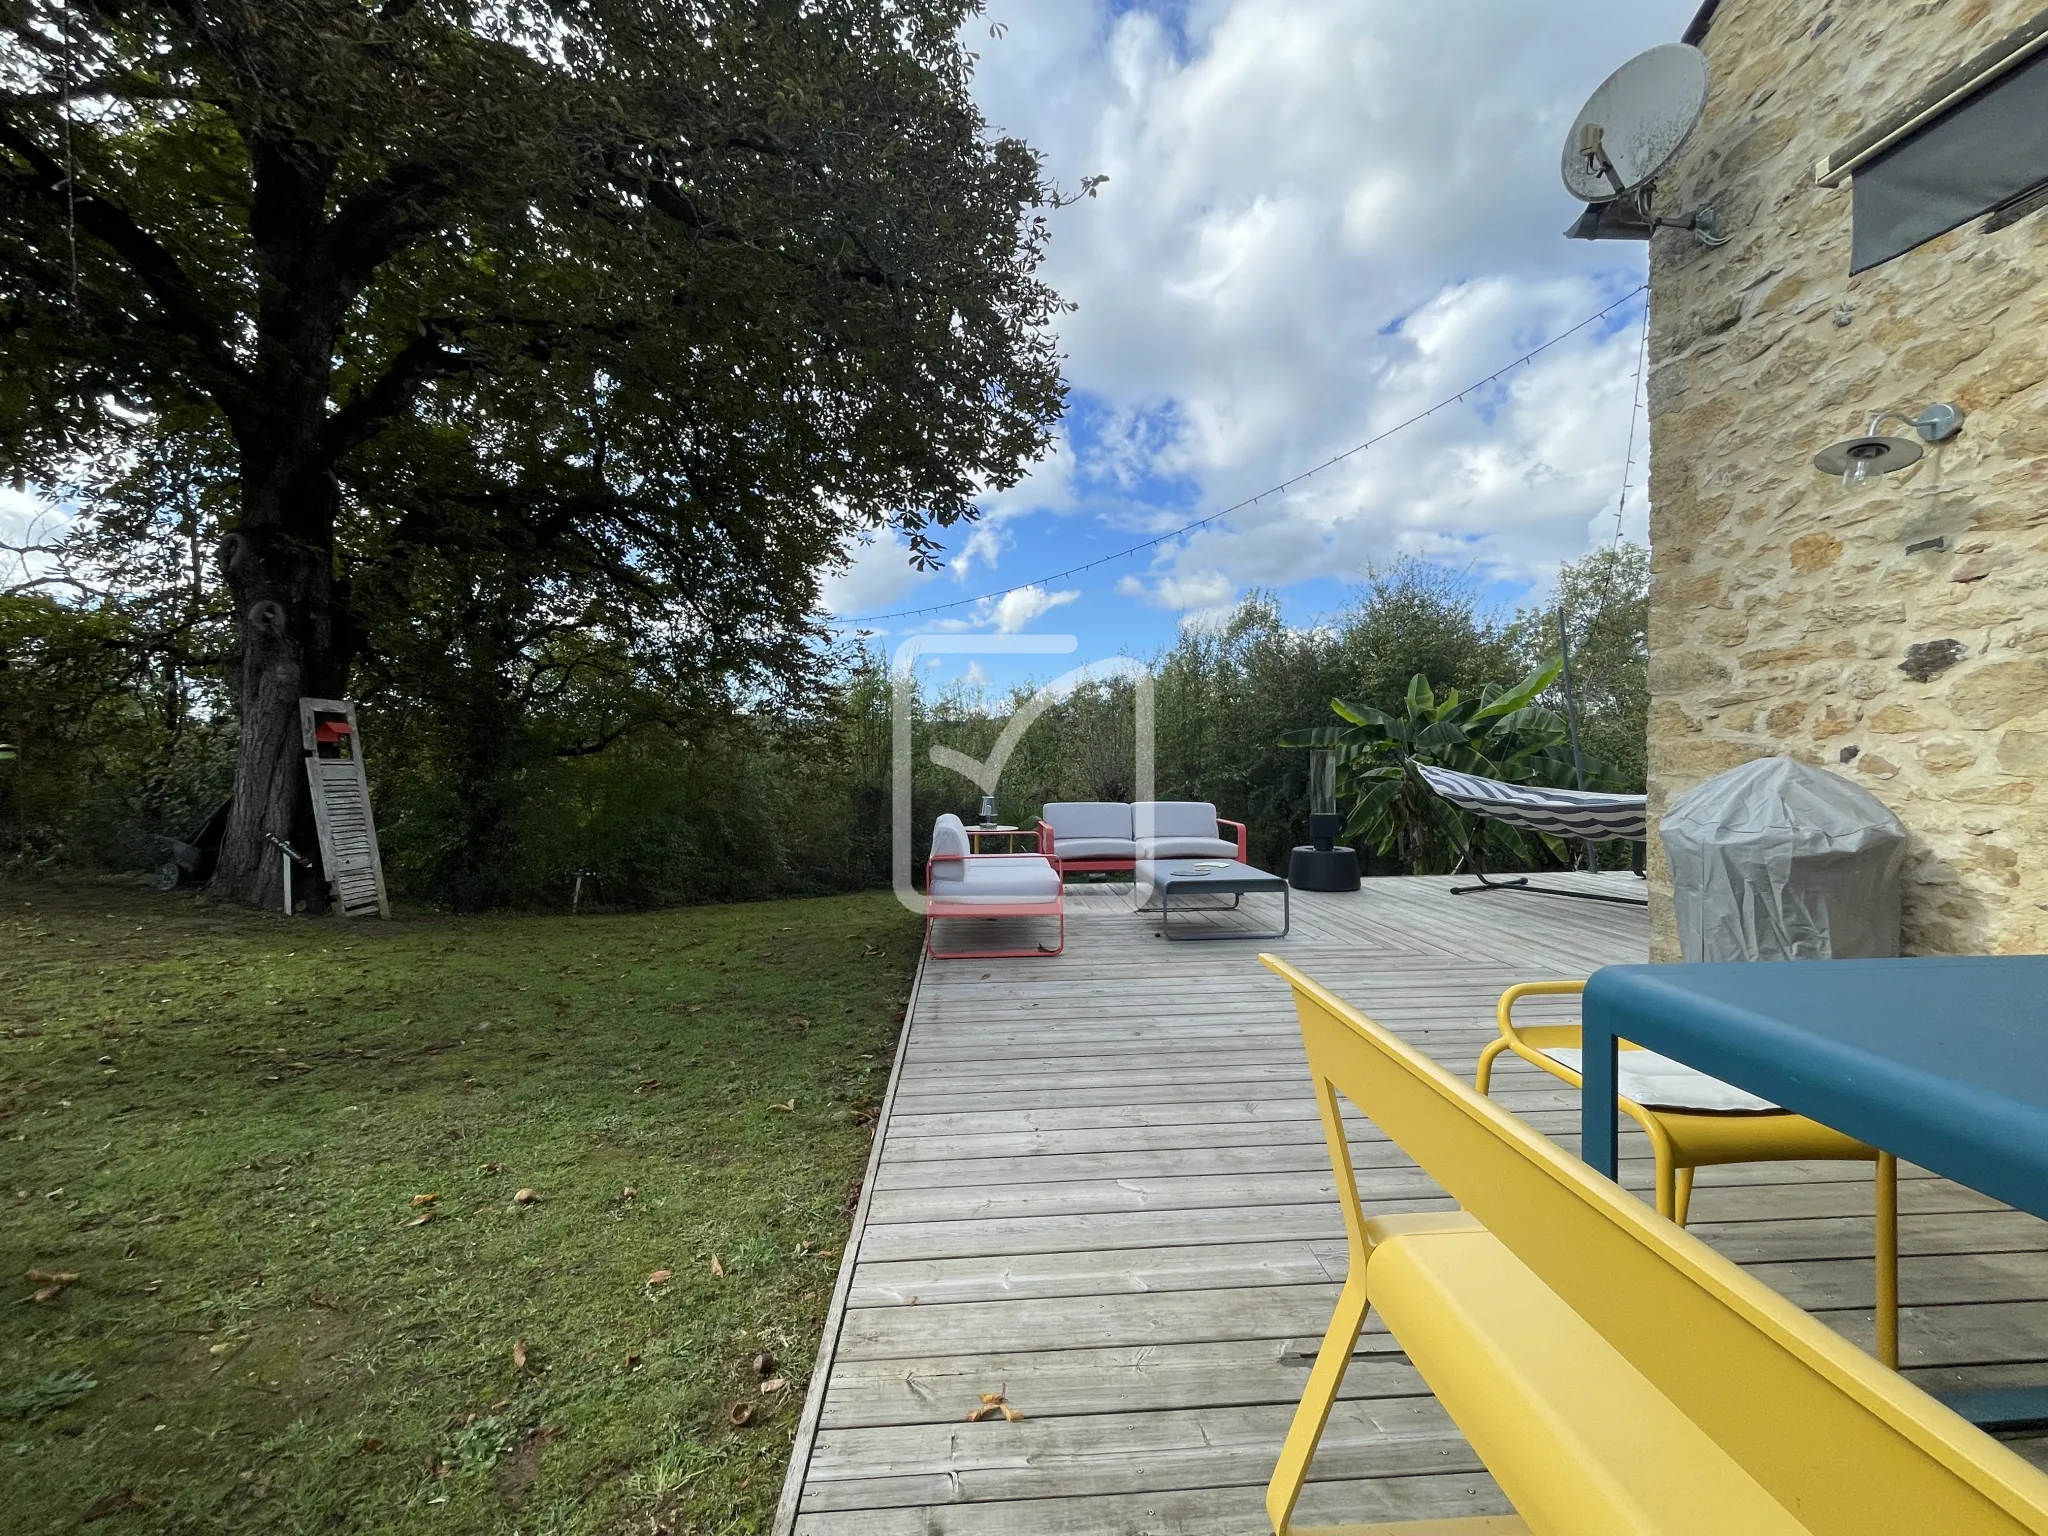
294 643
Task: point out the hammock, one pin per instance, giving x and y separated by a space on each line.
1573 813
1561 812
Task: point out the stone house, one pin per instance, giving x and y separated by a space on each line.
1899 635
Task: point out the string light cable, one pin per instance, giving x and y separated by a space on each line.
1273 490
1635 400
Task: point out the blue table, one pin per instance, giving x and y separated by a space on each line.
1941 1061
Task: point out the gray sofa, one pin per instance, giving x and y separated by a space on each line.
1109 835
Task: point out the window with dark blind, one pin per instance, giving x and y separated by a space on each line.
1975 141
1975 158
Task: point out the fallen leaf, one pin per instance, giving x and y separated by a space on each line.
525 1197
660 1277
763 1363
1011 1413
419 1200
991 1397
772 1384
59 1276
632 1360
519 1354
740 1414
648 1085
421 1220
491 1168
630 1194
225 1347
789 1108
696 1007
717 1269
48 1293
985 1411
372 1447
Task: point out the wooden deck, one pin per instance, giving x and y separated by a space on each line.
1099 1188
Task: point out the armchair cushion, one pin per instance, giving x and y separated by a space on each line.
1000 878
949 836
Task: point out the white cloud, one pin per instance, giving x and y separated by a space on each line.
877 575
1323 216
1183 589
1013 612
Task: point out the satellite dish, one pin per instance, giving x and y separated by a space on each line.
1636 123
1625 137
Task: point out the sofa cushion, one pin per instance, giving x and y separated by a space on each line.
1154 819
1186 848
1094 847
948 836
1088 818
995 878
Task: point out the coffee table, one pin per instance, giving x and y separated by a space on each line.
1182 878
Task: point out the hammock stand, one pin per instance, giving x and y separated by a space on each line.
1559 812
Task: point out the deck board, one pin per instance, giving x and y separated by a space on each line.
1099 1187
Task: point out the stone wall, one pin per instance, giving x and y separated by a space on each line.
1786 617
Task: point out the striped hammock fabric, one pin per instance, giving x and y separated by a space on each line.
1560 812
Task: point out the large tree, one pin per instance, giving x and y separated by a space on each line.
648 305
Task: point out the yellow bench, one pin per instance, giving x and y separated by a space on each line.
1614 1373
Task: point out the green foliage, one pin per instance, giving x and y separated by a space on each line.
115 749
224 1120
504 759
1502 733
1605 601
567 341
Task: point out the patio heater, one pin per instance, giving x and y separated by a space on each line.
1324 822
1322 865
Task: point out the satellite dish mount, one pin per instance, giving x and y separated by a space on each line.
1625 137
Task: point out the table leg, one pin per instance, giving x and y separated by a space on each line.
1598 1138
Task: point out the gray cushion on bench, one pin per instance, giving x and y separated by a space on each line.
1180 829
1154 819
1089 819
1187 848
1094 847
995 878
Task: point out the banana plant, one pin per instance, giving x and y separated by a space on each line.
1501 734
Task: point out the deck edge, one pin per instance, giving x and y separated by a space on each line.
788 1505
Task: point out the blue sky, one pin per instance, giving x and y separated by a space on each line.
1322 217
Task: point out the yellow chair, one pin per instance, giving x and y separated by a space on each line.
1614 1374
1683 1139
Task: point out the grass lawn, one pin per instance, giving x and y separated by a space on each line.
284 1162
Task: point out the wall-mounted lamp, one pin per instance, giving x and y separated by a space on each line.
1860 460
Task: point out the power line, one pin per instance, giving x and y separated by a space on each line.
1272 490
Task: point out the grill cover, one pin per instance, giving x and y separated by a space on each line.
1779 860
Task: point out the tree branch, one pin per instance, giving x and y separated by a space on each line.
140 252
370 409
